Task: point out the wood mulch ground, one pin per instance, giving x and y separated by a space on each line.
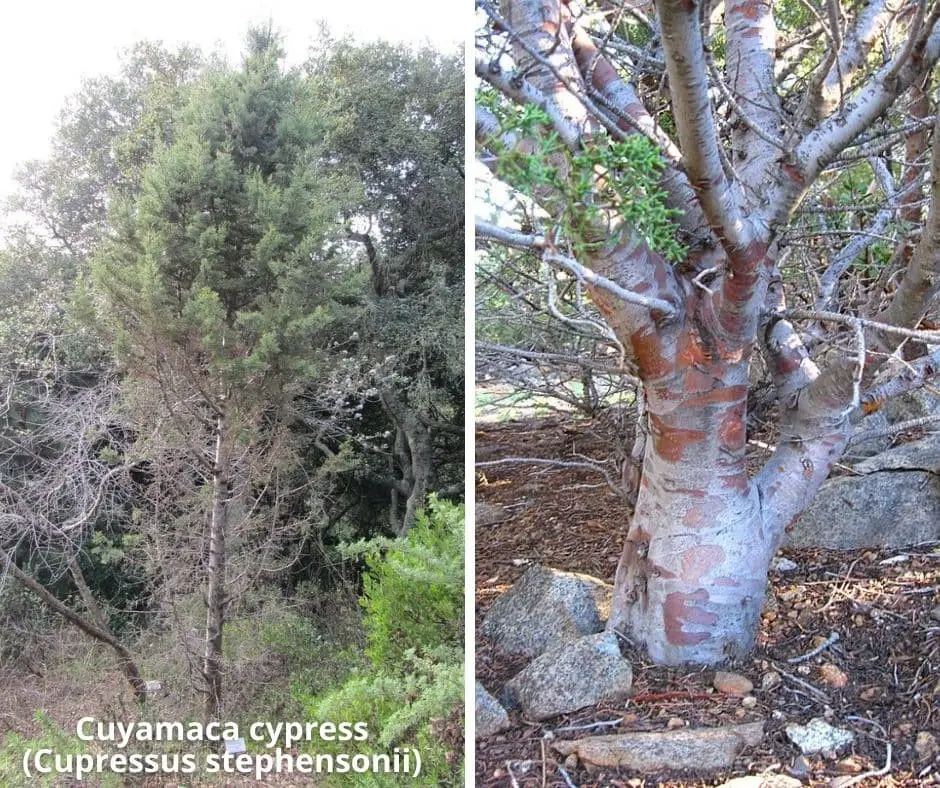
878 601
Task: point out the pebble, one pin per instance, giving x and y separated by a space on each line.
850 765
749 702
770 680
762 781
833 676
935 613
675 722
800 767
571 762
818 736
732 683
926 746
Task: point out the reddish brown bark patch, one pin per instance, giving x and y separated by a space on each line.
718 396
648 351
699 561
696 381
689 350
731 432
670 443
705 513
750 9
680 609
735 481
793 173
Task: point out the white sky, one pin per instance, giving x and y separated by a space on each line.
47 47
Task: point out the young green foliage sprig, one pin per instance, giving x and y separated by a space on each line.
579 187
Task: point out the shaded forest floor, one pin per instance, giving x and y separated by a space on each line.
881 679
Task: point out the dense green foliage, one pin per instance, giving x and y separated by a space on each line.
411 691
414 590
609 176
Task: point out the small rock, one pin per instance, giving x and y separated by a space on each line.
781 564
732 683
675 722
818 736
833 676
842 781
762 781
749 702
571 762
490 716
522 767
869 693
805 618
850 765
571 676
545 608
635 782
935 613
690 748
800 767
770 680
487 514
926 746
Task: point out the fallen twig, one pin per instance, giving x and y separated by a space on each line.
512 777
833 638
815 691
565 777
673 695
542 742
589 725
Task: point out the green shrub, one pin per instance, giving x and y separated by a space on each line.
420 707
414 591
411 695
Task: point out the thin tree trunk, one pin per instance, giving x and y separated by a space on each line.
415 454
215 596
125 659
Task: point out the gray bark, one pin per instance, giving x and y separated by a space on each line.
215 570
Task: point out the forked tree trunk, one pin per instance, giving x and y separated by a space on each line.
215 595
691 579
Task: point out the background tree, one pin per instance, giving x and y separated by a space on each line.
410 229
692 165
221 292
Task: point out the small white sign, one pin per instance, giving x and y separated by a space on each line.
234 746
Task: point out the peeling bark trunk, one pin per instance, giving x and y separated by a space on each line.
215 595
691 578
692 575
